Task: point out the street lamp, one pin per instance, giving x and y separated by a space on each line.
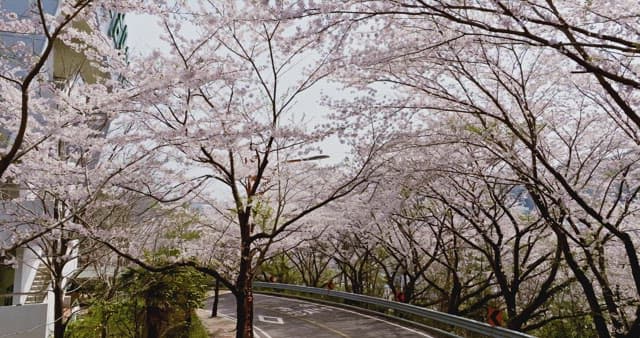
251 179
312 158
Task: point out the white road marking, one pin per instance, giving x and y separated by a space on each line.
302 309
263 332
266 335
360 314
270 319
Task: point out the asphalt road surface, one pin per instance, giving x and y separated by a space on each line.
278 317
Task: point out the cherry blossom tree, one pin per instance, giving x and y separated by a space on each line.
571 174
22 65
312 263
512 242
596 40
546 88
61 144
63 74
233 141
507 131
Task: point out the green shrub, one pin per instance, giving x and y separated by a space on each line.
145 305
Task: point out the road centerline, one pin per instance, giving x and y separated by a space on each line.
356 313
304 319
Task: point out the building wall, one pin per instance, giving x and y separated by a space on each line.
28 263
23 9
25 321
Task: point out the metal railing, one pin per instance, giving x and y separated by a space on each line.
440 317
7 298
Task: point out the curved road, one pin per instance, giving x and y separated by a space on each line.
279 317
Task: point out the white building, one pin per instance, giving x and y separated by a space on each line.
26 306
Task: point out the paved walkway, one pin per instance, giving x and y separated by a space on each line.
219 327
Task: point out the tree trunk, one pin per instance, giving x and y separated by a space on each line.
151 323
59 324
214 309
409 290
58 311
585 282
244 289
244 310
103 326
453 305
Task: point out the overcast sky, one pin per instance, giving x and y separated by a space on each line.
144 36
143 33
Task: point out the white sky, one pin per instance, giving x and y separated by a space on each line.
143 33
144 36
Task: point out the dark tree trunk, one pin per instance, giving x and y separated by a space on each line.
244 287
585 282
244 309
151 323
409 290
57 266
58 311
103 329
454 296
216 294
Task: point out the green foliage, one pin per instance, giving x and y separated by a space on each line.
571 324
108 319
262 214
147 305
196 329
182 227
282 269
568 328
474 129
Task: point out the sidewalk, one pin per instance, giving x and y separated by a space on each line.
219 327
